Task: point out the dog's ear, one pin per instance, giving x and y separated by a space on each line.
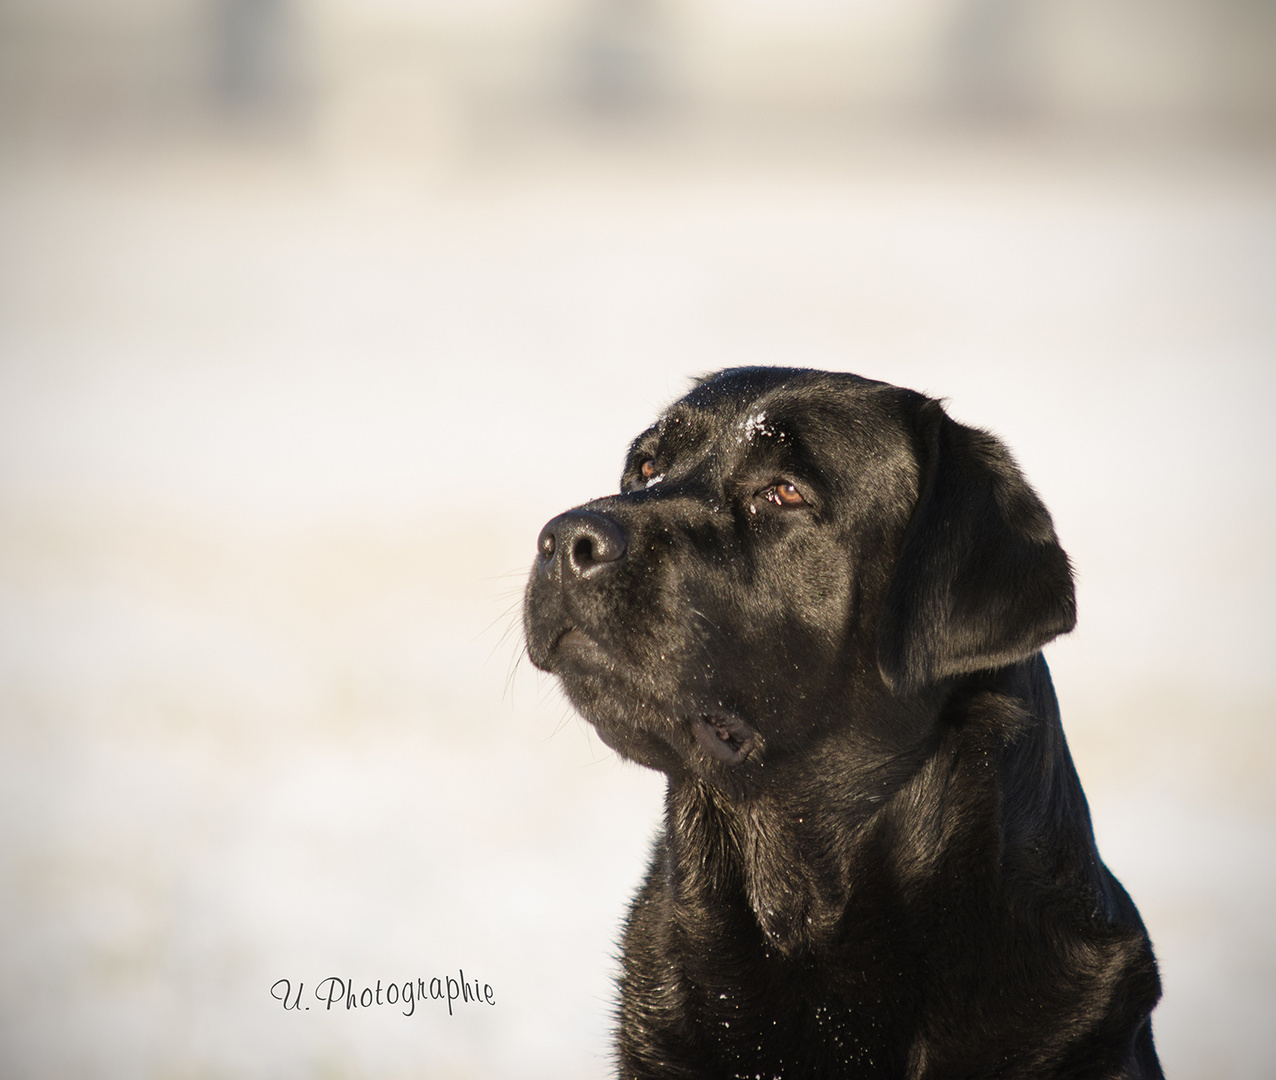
980 580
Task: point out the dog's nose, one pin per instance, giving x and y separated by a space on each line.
582 541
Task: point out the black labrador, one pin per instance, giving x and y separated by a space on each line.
817 606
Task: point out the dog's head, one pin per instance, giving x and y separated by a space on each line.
792 555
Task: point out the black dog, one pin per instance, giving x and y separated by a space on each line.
816 605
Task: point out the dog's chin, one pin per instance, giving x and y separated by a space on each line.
712 744
594 683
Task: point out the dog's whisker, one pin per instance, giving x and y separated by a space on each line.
511 672
519 573
508 610
513 630
563 720
696 611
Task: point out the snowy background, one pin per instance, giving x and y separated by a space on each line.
312 314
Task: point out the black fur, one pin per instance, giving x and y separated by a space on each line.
819 611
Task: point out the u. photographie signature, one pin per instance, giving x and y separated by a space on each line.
335 992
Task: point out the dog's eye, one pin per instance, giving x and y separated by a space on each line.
784 495
648 468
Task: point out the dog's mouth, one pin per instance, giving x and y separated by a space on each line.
724 736
573 645
572 640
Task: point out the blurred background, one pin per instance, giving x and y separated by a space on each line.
313 311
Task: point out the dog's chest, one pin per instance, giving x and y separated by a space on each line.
732 1005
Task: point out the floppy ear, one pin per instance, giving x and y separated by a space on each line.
980 580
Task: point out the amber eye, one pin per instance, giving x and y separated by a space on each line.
785 495
648 468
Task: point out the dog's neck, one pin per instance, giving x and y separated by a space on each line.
912 824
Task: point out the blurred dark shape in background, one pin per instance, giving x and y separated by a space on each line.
454 77
622 54
77 75
991 61
255 47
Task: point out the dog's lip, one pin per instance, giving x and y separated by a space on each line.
724 736
575 643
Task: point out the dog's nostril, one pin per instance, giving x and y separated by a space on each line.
595 540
